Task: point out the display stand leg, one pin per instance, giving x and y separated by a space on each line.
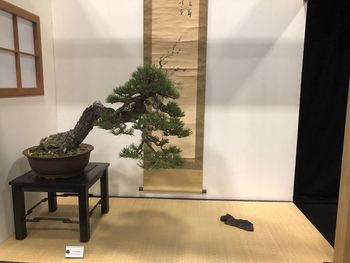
19 213
84 218
52 201
104 193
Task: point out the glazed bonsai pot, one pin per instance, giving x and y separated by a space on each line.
59 167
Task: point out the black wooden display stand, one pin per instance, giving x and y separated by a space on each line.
79 185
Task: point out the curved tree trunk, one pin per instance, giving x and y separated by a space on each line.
73 138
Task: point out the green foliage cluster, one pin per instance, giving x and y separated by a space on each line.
148 105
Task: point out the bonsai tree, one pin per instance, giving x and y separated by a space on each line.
148 105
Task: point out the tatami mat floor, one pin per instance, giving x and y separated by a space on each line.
162 230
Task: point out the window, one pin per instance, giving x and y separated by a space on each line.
21 70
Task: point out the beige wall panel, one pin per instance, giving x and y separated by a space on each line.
169 181
187 102
176 30
171 30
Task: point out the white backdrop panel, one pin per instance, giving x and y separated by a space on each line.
253 82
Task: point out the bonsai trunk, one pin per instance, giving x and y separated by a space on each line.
71 139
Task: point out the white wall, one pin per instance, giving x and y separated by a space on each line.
24 120
97 45
252 100
253 82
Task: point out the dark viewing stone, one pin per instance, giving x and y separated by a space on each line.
240 223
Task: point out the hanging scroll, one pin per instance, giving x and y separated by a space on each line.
175 36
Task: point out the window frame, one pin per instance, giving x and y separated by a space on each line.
16 11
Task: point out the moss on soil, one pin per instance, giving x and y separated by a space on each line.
40 152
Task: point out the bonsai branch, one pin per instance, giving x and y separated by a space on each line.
144 108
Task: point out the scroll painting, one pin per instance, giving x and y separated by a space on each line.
175 37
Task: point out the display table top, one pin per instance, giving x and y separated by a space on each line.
88 178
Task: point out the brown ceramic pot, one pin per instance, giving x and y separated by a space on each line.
59 167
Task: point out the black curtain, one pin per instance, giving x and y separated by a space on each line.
324 91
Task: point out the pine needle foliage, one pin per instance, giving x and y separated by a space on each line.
148 105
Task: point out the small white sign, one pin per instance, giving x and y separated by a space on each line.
74 251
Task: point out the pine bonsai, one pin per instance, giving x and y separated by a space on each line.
148 106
